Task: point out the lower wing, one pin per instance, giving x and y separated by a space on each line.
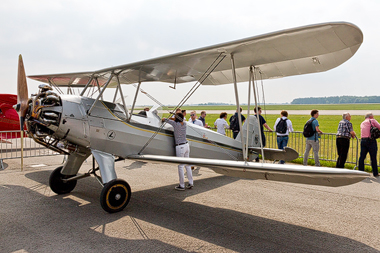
268 171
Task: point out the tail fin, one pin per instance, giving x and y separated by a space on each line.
253 132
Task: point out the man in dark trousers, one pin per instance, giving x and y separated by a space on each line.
343 136
367 144
234 122
262 124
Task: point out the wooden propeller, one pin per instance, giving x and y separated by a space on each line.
22 99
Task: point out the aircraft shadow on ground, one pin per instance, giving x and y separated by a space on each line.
65 220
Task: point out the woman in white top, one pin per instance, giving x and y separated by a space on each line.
221 123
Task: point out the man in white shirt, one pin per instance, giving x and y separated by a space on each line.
221 123
193 119
282 127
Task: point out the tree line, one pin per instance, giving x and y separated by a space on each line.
337 100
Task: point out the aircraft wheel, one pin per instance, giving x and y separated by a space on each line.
115 195
57 185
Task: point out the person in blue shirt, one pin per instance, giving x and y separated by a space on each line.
313 141
202 118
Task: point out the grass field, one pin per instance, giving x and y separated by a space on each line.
327 123
348 107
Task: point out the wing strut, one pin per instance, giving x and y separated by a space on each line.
122 96
134 100
238 107
100 92
97 83
114 96
88 83
249 107
257 112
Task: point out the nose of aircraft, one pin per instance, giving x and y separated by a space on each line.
22 92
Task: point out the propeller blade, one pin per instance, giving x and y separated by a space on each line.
22 90
22 99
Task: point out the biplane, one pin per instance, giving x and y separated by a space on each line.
79 125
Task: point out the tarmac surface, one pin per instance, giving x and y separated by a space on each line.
220 214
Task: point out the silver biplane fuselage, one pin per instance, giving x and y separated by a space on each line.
107 129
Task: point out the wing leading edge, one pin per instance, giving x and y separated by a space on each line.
296 51
268 171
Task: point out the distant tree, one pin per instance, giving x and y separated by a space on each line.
337 100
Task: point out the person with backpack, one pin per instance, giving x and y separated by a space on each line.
234 123
282 127
311 132
368 144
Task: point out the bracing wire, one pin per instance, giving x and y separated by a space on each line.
189 125
262 89
51 82
204 76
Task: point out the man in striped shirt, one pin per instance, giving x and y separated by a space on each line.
182 149
343 136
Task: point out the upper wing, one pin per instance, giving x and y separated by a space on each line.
297 51
268 171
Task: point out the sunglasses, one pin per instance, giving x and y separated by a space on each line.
192 114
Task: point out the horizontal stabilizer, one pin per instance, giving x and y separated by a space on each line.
268 171
288 154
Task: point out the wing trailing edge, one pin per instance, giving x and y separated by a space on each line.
268 171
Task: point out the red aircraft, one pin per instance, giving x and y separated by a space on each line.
9 118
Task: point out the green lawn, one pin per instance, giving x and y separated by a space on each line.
348 107
327 123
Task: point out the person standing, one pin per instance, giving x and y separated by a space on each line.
282 127
193 119
184 114
221 123
313 141
367 144
234 122
343 136
203 119
262 124
182 150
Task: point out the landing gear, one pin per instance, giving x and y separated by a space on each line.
115 195
57 184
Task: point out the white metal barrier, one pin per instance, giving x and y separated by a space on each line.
10 147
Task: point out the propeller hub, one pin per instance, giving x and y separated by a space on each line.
17 107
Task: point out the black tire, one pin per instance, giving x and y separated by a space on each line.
115 195
56 183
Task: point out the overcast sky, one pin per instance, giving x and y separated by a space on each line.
75 36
